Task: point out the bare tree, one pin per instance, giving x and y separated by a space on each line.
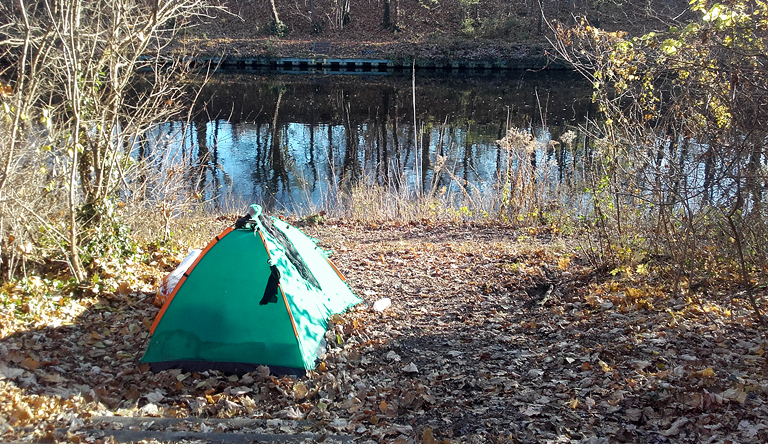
386 21
341 13
317 27
278 27
78 103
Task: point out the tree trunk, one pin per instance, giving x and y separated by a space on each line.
278 27
397 15
386 21
316 27
342 13
275 17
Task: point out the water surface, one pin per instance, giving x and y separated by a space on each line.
295 142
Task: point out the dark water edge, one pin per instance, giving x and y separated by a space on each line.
298 143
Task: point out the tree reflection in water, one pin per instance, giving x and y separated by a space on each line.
299 143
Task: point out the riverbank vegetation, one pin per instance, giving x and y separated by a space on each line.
682 171
629 307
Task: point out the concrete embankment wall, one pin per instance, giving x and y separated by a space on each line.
369 66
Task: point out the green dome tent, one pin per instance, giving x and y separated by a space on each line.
260 293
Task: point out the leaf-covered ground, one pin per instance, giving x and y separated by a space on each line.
431 30
494 335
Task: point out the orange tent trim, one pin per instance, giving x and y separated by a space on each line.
341 276
288 308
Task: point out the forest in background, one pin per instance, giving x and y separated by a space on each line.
412 29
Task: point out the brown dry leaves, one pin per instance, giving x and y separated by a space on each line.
490 338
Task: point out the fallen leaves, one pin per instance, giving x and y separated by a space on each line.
471 349
29 363
20 414
300 390
410 368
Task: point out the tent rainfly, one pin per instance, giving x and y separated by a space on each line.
260 293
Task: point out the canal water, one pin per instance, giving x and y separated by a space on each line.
295 143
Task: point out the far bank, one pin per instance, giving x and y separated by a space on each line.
442 34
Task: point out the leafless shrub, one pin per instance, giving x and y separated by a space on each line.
75 101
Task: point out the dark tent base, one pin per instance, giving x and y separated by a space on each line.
236 368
